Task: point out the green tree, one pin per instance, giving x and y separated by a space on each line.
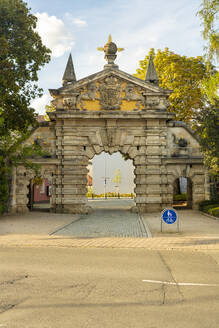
208 14
49 108
13 151
117 177
208 130
182 75
208 127
22 54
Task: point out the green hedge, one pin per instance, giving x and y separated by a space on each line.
180 197
210 207
214 211
207 208
206 203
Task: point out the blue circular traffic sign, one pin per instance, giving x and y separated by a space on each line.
169 216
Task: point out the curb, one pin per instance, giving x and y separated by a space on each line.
63 226
210 216
143 220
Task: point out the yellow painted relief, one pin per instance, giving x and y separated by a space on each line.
129 98
93 105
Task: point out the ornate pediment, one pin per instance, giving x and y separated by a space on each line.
110 90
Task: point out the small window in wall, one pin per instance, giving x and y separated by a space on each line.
42 188
48 191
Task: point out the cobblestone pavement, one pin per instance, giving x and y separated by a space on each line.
116 221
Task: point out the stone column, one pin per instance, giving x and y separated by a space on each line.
198 189
57 188
140 182
22 182
12 198
72 172
53 192
75 185
154 177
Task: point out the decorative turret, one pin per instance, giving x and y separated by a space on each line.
151 75
69 75
110 49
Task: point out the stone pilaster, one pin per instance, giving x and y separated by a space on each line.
151 176
21 190
75 185
57 188
198 189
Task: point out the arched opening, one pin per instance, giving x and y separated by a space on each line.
110 181
182 193
39 193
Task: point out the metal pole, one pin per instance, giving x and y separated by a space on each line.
177 222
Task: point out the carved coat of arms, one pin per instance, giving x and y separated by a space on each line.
110 93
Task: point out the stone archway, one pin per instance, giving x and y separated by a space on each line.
133 135
113 111
196 186
187 191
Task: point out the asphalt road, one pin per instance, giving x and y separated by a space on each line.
65 287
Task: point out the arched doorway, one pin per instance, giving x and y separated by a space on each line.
38 190
182 193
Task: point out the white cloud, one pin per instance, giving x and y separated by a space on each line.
79 22
75 20
39 103
54 34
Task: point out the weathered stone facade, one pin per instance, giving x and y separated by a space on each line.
113 111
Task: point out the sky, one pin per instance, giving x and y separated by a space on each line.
80 27
105 165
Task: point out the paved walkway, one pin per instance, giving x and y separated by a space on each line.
40 229
118 221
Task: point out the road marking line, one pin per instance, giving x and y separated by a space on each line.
179 283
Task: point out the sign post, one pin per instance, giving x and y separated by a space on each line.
169 216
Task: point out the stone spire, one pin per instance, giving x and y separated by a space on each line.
151 75
69 75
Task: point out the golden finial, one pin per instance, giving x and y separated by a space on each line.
110 49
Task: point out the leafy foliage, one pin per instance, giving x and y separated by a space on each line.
209 207
208 129
49 108
209 15
187 76
22 54
14 151
180 197
182 75
209 20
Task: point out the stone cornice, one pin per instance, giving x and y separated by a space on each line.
148 114
104 73
183 160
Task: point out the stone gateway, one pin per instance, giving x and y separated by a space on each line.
112 111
